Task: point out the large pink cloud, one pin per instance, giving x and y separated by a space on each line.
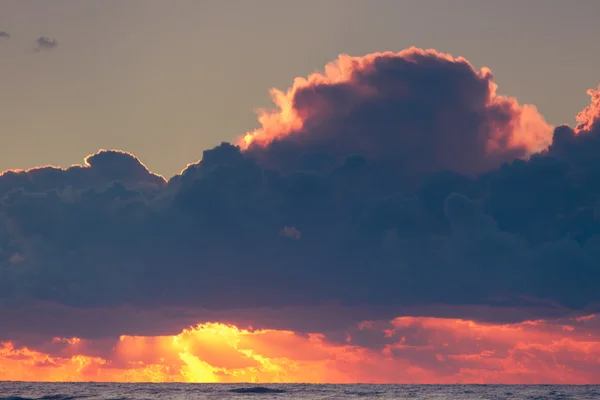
420 110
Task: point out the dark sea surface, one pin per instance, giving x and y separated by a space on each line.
114 391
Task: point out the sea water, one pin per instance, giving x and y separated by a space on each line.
173 391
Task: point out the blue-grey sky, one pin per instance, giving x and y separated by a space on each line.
167 79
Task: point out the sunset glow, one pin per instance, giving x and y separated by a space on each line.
417 350
327 193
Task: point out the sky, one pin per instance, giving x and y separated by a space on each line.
184 75
318 191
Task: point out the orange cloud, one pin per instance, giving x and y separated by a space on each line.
414 350
590 115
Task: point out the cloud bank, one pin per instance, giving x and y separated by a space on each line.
390 184
425 350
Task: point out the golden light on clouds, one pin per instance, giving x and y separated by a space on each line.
416 350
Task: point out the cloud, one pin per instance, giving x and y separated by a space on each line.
426 350
45 43
99 170
414 188
290 232
4 35
419 111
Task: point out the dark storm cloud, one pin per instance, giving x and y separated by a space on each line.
323 221
99 170
45 43
4 35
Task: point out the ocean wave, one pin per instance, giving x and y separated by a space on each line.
256 389
363 394
48 397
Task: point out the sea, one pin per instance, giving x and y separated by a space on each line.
176 391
